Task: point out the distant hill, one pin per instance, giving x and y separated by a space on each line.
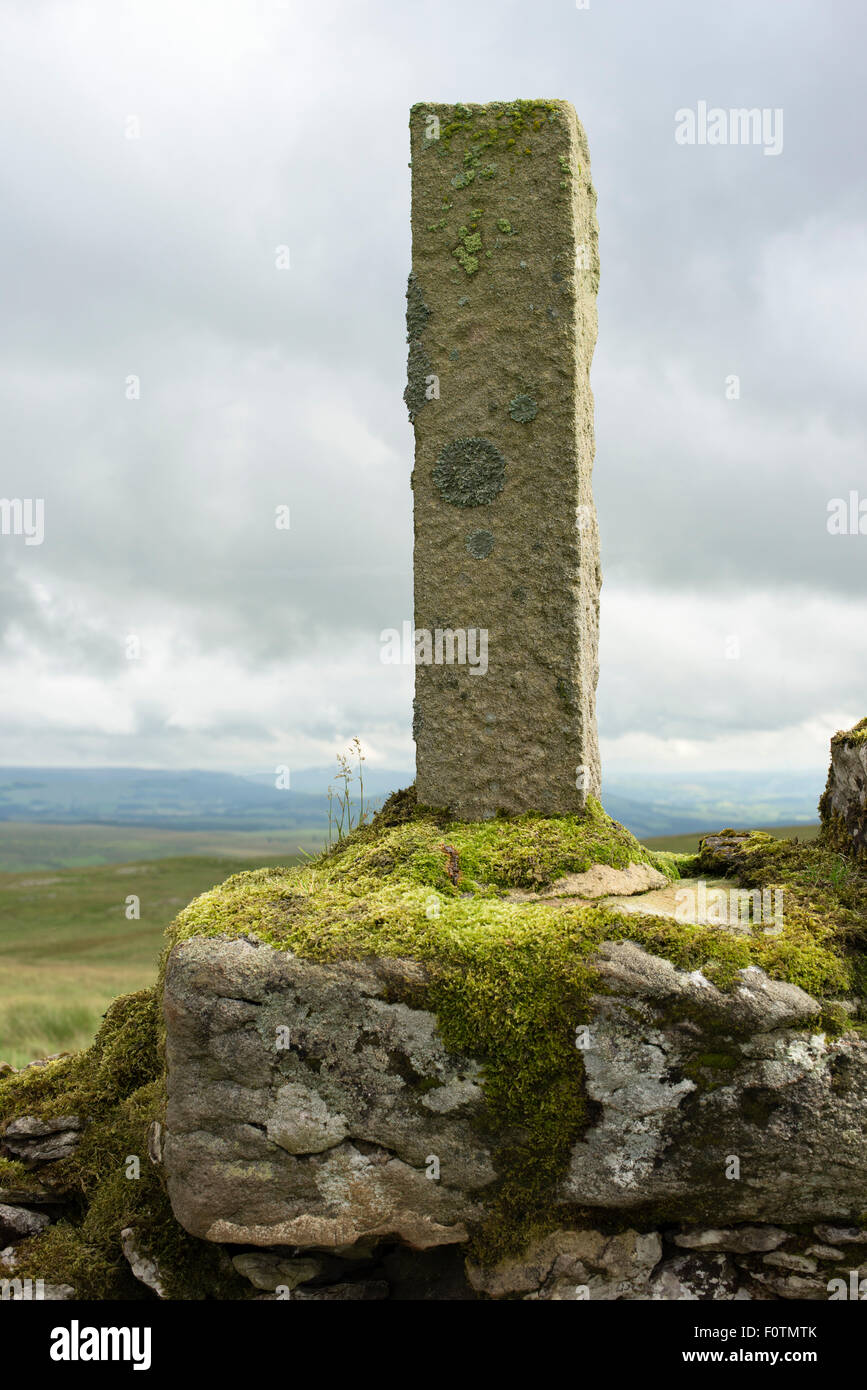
671 804
649 805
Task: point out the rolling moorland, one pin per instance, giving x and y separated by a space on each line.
76 845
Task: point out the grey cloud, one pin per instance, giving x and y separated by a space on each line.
273 125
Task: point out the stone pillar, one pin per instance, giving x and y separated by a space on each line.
501 325
843 806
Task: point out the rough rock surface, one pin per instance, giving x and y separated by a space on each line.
697 1278
739 1240
305 1107
36 1141
570 1265
16 1223
723 1104
322 1135
843 807
599 881
721 1266
143 1266
363 1290
269 1271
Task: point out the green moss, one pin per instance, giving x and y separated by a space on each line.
469 263
116 1088
710 1070
480 128
835 1020
717 1061
465 145
467 252
14 1175
853 736
824 905
87 1253
123 1057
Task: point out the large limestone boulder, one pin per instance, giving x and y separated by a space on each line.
730 1105
432 1038
306 1108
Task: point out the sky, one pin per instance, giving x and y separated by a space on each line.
168 381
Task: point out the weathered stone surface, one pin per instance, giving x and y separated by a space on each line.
269 1272
843 806
35 1141
794 1286
697 1277
364 1291
842 1235
568 1264
739 1240
599 881
689 1077
143 1265
825 1252
325 1142
501 322
155 1142
784 1259
16 1223
29 1197
724 847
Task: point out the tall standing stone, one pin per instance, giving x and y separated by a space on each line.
501 325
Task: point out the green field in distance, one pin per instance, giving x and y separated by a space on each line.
67 948
32 845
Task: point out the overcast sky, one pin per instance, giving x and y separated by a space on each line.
262 124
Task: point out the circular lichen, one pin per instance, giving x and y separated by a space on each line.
470 472
480 544
523 409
